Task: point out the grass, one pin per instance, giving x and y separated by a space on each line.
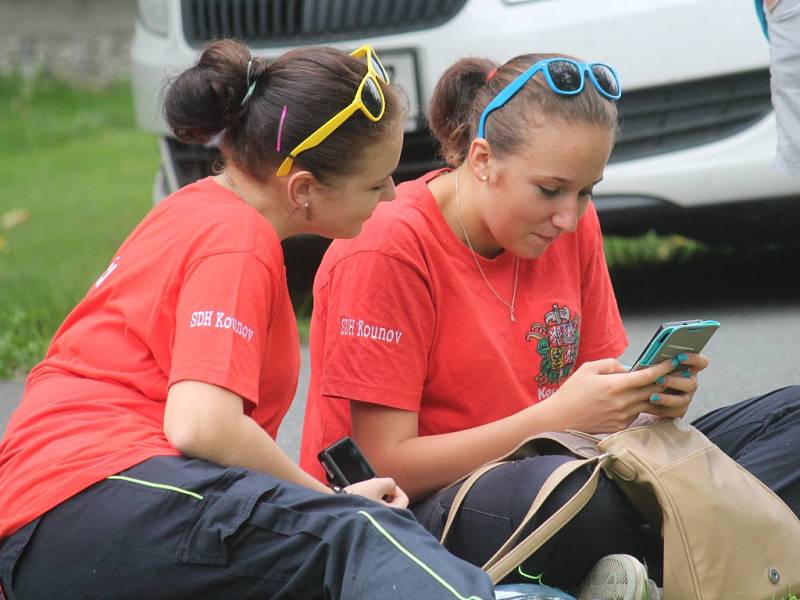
631 253
78 175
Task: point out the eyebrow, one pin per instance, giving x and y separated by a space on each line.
384 178
565 180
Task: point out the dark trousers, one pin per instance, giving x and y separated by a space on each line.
762 434
177 528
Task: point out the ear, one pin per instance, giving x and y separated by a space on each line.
302 188
481 160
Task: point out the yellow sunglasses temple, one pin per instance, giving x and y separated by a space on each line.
327 128
316 138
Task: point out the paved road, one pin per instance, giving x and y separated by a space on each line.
755 296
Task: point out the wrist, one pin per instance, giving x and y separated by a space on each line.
547 415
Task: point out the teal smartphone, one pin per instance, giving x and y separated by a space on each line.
674 338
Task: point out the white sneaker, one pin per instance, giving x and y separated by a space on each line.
618 577
653 593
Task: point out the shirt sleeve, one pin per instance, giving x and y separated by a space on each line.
378 332
222 316
602 333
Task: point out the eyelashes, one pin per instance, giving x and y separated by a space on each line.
549 192
553 192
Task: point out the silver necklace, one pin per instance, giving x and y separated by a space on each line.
509 305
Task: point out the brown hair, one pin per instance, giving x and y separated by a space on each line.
312 83
467 87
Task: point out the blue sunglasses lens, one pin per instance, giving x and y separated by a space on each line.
606 79
565 75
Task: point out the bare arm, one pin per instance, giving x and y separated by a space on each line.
600 396
422 465
206 421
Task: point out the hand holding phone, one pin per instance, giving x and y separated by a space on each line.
672 339
344 463
380 489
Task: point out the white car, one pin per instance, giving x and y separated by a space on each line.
698 136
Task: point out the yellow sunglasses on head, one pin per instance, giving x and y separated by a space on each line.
368 99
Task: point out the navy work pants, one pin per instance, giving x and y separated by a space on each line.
177 528
762 434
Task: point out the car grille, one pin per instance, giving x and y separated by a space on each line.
675 117
289 22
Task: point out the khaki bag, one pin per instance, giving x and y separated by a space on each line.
726 535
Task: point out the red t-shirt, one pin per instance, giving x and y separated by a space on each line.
403 318
197 291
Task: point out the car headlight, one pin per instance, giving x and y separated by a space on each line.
153 15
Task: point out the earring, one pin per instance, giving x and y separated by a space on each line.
307 209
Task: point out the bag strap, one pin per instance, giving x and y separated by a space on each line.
555 478
571 441
462 492
501 564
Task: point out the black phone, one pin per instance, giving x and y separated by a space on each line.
344 463
671 339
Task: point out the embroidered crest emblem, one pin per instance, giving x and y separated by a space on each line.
557 341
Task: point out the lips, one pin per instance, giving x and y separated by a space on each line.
547 239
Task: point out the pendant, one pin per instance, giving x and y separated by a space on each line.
513 318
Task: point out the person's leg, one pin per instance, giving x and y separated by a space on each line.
499 501
783 22
763 435
177 528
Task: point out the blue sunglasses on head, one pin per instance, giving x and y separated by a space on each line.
564 76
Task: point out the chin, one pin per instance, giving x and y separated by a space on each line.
530 250
348 234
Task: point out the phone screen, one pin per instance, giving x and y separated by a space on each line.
348 460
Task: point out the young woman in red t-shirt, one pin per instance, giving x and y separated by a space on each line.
476 310
141 461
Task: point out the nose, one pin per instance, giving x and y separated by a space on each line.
566 217
389 193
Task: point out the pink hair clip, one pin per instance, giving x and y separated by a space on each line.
280 129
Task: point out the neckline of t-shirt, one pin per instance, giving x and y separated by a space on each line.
459 249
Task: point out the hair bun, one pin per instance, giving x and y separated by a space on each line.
207 98
452 107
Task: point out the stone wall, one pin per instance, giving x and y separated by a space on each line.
84 41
